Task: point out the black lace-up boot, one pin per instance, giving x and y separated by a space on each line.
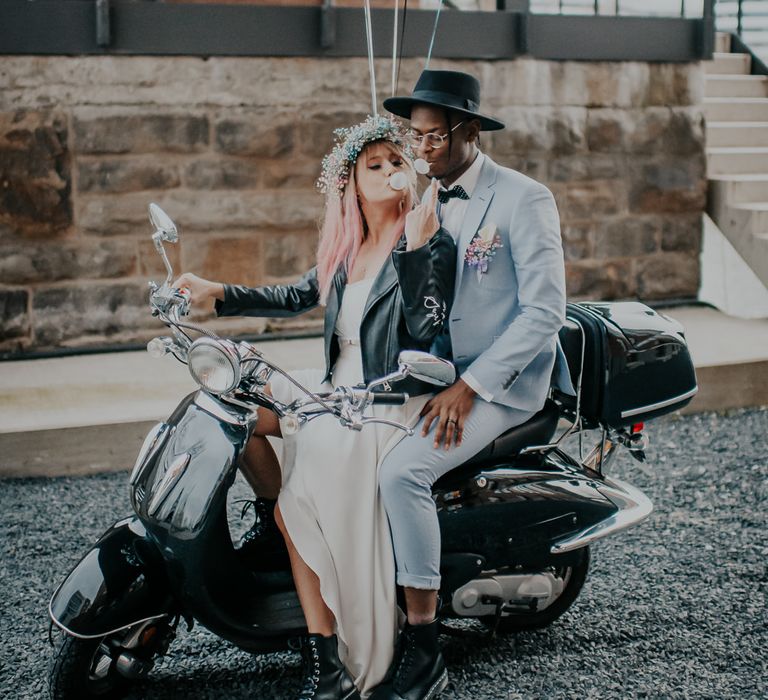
325 677
264 529
418 671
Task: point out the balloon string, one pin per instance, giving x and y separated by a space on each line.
369 37
402 42
394 52
434 32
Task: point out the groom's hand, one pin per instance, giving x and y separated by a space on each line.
450 409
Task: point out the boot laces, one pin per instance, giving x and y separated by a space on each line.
261 516
311 671
406 658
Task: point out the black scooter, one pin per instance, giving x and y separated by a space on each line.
517 520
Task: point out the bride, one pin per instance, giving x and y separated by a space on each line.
385 274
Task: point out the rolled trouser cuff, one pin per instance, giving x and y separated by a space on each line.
423 583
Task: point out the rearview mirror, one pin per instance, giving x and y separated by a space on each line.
427 368
163 224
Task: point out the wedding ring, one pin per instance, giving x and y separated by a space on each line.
450 420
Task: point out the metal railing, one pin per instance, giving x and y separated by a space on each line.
623 8
746 18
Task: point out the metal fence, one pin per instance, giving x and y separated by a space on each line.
748 19
622 8
612 31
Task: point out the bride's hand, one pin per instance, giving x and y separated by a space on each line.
200 290
421 222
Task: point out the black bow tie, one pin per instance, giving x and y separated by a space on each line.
458 191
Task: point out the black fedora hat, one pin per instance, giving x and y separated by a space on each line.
452 90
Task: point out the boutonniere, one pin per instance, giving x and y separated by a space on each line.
482 248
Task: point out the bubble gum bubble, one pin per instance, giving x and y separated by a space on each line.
421 165
398 181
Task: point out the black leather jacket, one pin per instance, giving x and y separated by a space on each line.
406 308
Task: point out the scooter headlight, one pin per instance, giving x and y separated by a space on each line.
214 365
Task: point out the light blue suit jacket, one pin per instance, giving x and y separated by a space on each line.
503 324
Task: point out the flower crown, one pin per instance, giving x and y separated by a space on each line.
350 141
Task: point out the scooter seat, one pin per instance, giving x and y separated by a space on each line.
536 431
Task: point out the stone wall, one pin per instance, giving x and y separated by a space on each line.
230 147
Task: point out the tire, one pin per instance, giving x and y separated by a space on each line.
71 677
576 574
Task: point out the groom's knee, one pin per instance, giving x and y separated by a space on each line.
397 480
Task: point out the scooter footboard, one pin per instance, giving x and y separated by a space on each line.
115 585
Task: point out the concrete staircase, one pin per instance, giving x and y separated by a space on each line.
736 110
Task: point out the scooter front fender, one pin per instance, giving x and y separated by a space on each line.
115 585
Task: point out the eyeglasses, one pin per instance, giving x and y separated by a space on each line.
433 140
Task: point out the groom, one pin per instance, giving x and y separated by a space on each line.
501 335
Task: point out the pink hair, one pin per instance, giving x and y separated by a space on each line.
344 228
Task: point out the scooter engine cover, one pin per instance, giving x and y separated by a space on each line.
114 586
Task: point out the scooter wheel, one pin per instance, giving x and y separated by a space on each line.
576 572
79 671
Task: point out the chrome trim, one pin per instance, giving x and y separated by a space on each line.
172 475
661 404
64 628
151 444
633 507
216 408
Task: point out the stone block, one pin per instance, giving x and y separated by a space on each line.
125 175
671 84
626 237
597 84
289 254
106 81
228 259
665 130
201 210
31 263
289 173
668 276
35 177
682 234
223 173
140 133
593 166
14 317
261 134
526 131
607 129
536 129
599 279
315 130
64 313
577 240
533 167
278 84
590 199
668 186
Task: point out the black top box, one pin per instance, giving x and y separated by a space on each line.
636 363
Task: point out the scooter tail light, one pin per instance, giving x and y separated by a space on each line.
637 428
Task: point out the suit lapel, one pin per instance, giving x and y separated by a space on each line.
478 205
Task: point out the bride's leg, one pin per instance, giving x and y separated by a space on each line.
259 463
318 615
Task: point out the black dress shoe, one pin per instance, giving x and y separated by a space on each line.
325 677
418 670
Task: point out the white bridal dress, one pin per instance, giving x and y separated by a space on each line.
332 510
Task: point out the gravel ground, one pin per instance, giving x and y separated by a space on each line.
675 608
